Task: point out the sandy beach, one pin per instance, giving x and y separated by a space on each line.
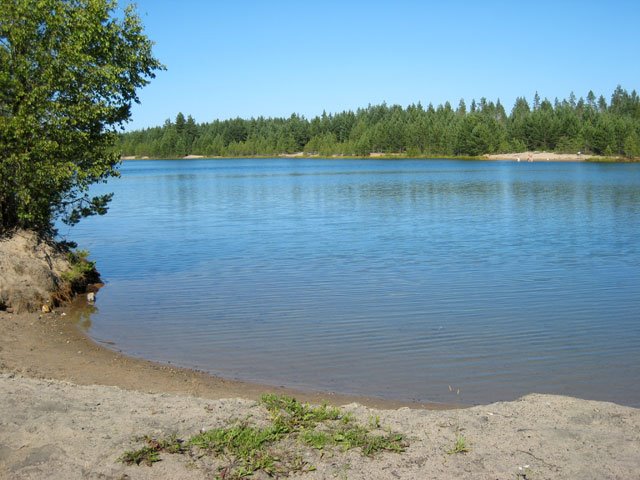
70 408
542 157
529 156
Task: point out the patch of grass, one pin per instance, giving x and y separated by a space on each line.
246 444
318 440
340 429
272 449
150 454
291 415
145 455
251 449
354 436
81 266
238 440
374 421
460 446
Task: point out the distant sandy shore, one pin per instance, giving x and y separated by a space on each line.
531 156
542 157
69 408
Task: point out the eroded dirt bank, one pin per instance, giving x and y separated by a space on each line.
38 273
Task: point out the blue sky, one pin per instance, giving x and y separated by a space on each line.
247 58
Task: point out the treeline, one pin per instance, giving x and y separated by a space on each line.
590 125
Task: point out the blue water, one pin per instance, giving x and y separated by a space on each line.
428 280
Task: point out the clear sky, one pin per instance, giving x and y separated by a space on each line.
247 58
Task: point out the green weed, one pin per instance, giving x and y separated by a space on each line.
271 449
357 436
150 454
291 415
374 421
237 440
80 264
460 446
146 455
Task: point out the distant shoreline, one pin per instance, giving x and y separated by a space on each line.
528 156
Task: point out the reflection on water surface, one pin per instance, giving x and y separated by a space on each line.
386 278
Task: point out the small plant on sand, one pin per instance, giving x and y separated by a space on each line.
374 421
271 449
150 454
339 428
145 455
247 445
354 436
460 446
80 264
291 415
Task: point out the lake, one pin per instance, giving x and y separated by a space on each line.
426 280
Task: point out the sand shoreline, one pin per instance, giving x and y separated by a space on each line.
69 408
532 156
53 346
527 156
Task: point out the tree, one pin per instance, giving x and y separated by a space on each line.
69 71
180 122
602 104
632 145
190 132
570 125
536 101
518 121
462 108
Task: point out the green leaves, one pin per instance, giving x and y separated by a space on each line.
69 73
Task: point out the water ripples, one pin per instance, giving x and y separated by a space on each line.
395 278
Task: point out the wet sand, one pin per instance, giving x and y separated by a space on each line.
53 346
